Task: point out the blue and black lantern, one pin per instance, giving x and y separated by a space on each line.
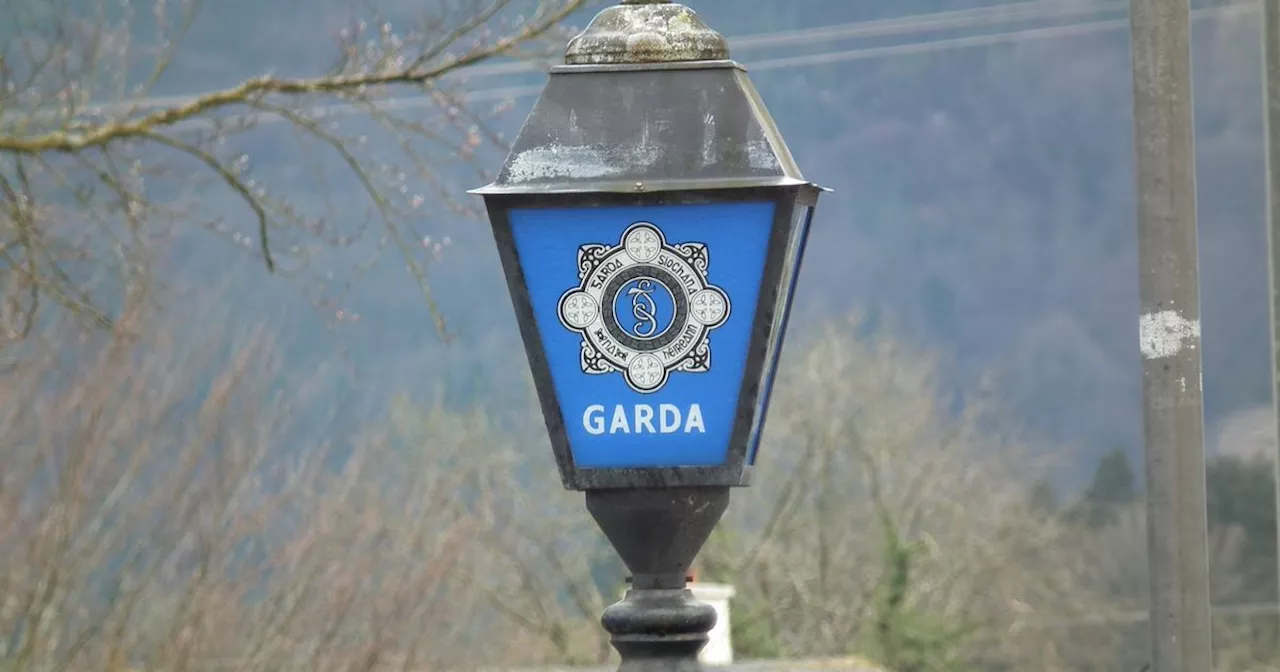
651 222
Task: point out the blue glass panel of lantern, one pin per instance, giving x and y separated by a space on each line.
786 295
645 314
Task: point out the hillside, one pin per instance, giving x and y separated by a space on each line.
983 204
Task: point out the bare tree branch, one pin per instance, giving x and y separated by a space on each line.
82 136
101 154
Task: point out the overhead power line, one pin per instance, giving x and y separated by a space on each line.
810 60
898 26
826 58
905 25
1025 35
919 23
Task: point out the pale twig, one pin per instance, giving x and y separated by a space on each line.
237 185
86 135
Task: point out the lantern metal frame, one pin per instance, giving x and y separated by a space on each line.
650 111
607 111
781 268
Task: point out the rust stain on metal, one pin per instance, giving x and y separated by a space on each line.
646 31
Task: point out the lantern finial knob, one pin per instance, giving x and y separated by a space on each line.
646 31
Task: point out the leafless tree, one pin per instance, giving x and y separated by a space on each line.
154 516
873 497
535 571
96 172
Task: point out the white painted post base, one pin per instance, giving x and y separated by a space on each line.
719 651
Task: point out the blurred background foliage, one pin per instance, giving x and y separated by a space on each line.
338 465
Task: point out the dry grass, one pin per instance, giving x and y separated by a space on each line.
153 516
157 513
863 451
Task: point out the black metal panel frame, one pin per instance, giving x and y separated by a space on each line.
808 199
735 472
566 117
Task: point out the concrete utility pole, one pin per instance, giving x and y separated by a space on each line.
1271 115
1169 328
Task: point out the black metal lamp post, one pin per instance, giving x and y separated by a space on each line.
651 223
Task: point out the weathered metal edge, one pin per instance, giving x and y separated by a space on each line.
769 126
586 68
649 187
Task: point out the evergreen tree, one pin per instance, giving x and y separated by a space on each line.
1241 494
1114 486
1043 498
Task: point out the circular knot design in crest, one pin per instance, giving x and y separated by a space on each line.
644 307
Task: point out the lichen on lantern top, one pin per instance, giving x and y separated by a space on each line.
646 31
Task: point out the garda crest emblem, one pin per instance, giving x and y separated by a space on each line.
644 308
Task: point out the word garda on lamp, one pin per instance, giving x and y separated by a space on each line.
642 420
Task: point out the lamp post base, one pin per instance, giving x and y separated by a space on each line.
659 630
659 625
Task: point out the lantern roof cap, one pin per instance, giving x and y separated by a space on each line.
646 31
648 100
